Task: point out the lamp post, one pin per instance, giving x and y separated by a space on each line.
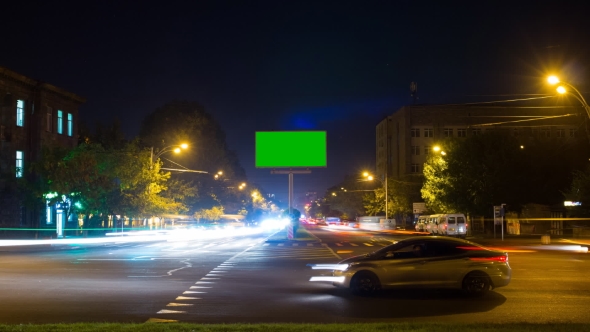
175 147
562 88
369 177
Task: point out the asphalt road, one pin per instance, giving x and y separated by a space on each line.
245 278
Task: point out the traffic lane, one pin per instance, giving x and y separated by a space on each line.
109 284
270 290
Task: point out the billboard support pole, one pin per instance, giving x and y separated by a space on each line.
290 172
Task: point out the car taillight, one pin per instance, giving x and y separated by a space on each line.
501 259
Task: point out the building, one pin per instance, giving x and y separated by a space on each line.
33 114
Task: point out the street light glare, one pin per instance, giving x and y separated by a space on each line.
177 150
184 145
436 148
370 177
552 79
561 89
365 174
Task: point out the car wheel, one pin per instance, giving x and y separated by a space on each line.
364 283
476 284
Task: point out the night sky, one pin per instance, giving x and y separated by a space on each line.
338 66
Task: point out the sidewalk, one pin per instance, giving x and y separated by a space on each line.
532 242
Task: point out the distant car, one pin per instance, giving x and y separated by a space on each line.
333 221
426 262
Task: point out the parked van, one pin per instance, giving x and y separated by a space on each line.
452 224
432 225
421 223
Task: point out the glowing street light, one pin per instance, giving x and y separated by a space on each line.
176 148
437 148
561 89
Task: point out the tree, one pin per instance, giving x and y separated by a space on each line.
80 178
143 188
476 174
579 191
179 122
346 198
400 196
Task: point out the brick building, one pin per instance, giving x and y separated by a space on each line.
33 114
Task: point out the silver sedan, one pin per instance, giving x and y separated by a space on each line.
425 262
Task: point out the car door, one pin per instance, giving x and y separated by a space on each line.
404 267
445 264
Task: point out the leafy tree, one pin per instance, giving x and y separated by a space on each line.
80 177
143 187
346 198
212 214
479 172
180 122
579 191
475 174
400 196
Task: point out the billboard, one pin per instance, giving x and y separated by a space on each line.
287 149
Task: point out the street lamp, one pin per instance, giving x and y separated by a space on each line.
563 89
175 147
369 177
438 149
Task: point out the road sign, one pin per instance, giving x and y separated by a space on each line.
498 214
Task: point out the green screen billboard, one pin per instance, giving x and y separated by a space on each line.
291 149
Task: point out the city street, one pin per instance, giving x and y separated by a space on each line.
261 277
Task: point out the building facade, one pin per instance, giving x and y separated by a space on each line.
33 114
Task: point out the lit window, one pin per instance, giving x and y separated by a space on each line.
415 150
448 132
428 132
573 132
20 113
60 122
415 168
461 132
49 119
476 131
19 164
415 132
70 124
560 132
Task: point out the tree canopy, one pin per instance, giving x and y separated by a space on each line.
491 169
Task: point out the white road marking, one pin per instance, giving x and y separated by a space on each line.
354 244
164 311
281 244
209 278
368 244
192 292
172 304
178 298
195 287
